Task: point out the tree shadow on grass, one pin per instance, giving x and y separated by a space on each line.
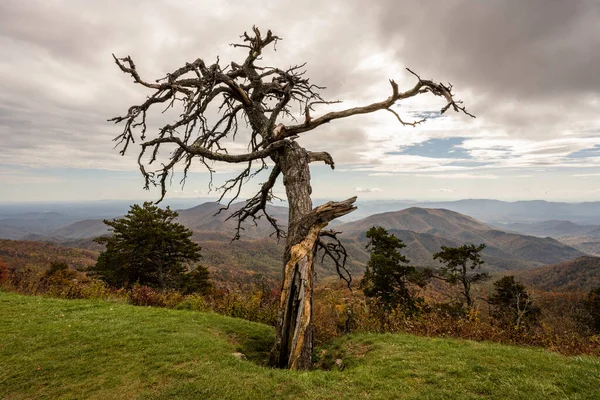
254 346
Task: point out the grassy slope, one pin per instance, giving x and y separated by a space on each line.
53 348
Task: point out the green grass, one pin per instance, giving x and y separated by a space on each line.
80 349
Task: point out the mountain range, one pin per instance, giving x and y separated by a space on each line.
493 211
423 230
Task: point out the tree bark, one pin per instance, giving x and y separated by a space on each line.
294 338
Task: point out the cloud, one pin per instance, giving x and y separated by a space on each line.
527 70
459 176
366 190
442 190
17 177
531 59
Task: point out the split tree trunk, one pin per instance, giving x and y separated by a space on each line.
294 338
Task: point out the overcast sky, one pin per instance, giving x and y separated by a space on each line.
527 69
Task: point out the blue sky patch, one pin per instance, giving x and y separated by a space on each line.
417 115
585 153
437 148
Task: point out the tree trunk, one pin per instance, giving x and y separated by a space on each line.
466 287
294 338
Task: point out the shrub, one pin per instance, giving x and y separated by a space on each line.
141 295
592 306
193 302
94 289
25 280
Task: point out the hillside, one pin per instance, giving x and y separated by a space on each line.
424 231
87 228
420 220
581 274
227 260
39 255
588 242
9 232
585 238
105 350
235 260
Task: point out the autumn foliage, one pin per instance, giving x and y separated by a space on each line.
566 322
3 271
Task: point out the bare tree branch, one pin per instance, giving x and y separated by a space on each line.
257 204
422 86
336 251
204 152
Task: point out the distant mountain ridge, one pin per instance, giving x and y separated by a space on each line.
424 231
497 211
552 228
16 219
522 211
585 238
16 226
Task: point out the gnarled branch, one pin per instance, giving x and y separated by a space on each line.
321 156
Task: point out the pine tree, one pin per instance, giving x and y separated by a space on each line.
388 277
147 247
459 261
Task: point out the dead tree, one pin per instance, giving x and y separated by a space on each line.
217 102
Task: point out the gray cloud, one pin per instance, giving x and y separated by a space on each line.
519 59
60 84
